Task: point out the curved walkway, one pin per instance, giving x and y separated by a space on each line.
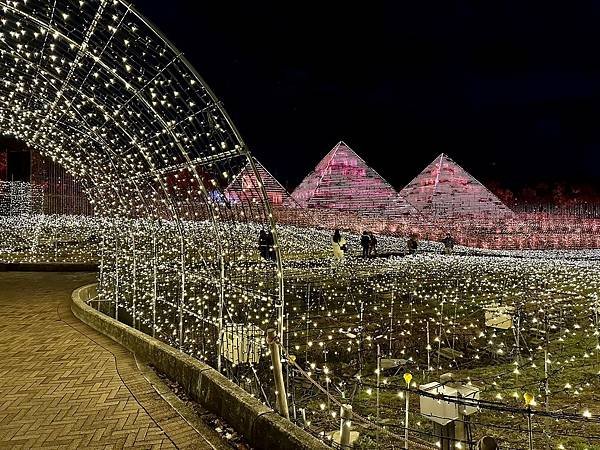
64 385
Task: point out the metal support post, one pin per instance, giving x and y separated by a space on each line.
182 300
134 283
273 342
407 378
345 425
154 280
221 311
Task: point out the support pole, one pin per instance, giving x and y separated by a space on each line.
597 332
307 322
391 325
407 378
529 425
345 426
428 349
546 378
378 386
440 335
273 342
518 336
116 277
287 372
101 274
460 426
221 311
360 340
182 300
546 383
528 399
154 280
134 280
406 421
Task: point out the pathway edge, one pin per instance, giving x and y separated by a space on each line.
261 426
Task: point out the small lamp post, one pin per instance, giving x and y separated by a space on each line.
407 378
528 399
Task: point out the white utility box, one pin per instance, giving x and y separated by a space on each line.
500 317
444 412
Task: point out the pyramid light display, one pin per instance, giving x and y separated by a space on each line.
245 187
444 190
344 181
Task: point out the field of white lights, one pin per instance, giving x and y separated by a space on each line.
430 350
494 325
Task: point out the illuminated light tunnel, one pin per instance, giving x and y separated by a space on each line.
97 88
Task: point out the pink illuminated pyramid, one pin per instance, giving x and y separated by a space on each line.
343 180
444 190
245 187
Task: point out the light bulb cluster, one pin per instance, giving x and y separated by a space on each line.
96 88
425 314
20 197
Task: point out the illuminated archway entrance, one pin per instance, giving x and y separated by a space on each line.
101 92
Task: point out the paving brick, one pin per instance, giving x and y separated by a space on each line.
63 385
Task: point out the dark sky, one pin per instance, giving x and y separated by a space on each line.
510 90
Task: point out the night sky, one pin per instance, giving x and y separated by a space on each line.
510 90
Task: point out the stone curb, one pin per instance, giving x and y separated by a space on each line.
261 426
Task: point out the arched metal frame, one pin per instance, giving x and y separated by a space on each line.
96 87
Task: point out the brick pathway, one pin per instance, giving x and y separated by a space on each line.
63 385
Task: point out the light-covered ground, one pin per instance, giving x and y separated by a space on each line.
424 314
